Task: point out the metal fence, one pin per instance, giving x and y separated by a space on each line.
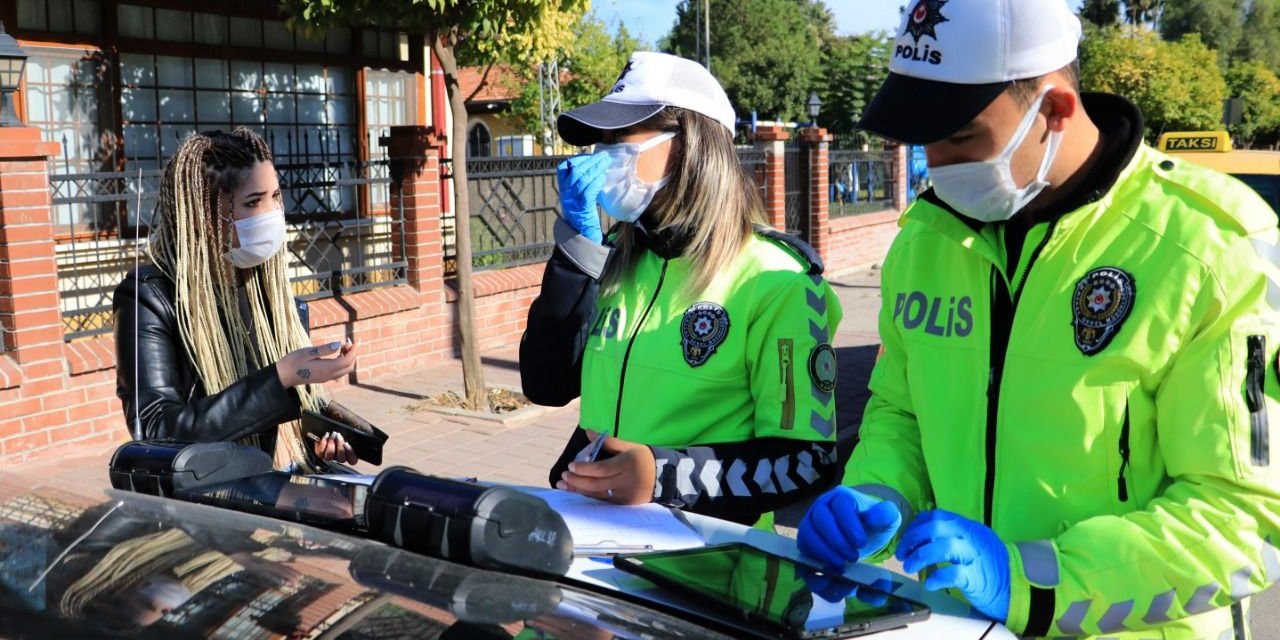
860 181
344 235
797 192
514 204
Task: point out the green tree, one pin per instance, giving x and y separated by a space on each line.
1219 23
589 68
1101 13
1142 12
1261 38
853 69
764 52
1177 85
1259 88
486 30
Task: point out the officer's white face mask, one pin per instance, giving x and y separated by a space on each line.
625 196
260 236
986 191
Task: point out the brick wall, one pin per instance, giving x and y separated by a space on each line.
861 240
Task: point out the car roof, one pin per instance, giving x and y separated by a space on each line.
1238 162
87 562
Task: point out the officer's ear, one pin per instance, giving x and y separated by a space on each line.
1060 105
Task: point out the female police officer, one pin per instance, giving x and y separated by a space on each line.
698 339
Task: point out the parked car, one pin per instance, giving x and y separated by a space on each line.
93 561
1213 149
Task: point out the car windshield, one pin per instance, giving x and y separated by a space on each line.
76 564
1267 185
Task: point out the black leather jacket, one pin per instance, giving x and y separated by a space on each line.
157 381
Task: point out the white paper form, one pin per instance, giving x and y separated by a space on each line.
605 527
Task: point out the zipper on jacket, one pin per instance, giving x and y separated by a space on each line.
1003 310
622 378
1255 379
786 349
1122 487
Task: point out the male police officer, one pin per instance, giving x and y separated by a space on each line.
1079 351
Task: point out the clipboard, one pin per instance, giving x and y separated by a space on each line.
364 438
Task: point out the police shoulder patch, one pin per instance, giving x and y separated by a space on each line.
703 329
1102 301
822 367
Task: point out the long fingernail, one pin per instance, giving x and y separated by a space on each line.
573 467
561 486
334 346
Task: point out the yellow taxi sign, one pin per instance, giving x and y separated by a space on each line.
1212 141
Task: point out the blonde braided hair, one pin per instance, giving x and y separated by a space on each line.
188 239
125 565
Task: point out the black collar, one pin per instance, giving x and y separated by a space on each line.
668 243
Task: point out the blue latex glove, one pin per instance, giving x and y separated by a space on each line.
580 179
844 525
978 560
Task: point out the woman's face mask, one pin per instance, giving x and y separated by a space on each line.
986 191
625 196
261 236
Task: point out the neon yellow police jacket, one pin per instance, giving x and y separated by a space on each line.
1109 418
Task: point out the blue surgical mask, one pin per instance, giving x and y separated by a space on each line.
985 191
625 196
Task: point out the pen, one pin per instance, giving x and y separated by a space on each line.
609 549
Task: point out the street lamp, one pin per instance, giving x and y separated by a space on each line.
12 61
815 107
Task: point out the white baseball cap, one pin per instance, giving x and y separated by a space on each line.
952 58
649 83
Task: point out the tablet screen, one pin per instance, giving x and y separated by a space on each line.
788 595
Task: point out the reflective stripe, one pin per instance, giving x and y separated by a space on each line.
885 492
780 467
818 333
764 477
805 467
1071 620
684 477
1039 562
1113 620
710 478
816 302
1271 561
1240 585
657 486
1158 612
738 471
1201 600
820 423
1271 254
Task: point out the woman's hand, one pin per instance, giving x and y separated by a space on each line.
334 448
625 478
316 365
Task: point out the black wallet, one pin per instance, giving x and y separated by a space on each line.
364 438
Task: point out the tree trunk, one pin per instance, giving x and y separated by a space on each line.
472 371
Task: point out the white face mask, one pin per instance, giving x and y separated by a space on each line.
626 196
985 191
260 236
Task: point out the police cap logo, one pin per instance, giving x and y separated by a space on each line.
1102 301
703 328
822 367
926 15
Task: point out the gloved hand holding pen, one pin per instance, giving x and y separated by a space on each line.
581 178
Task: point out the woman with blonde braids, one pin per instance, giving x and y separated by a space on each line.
209 345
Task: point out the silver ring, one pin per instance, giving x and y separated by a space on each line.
609 493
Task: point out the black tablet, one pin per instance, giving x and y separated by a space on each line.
793 599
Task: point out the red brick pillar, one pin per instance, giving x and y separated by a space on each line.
900 171
33 363
772 140
415 171
816 143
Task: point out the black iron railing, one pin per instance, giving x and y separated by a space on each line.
860 182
